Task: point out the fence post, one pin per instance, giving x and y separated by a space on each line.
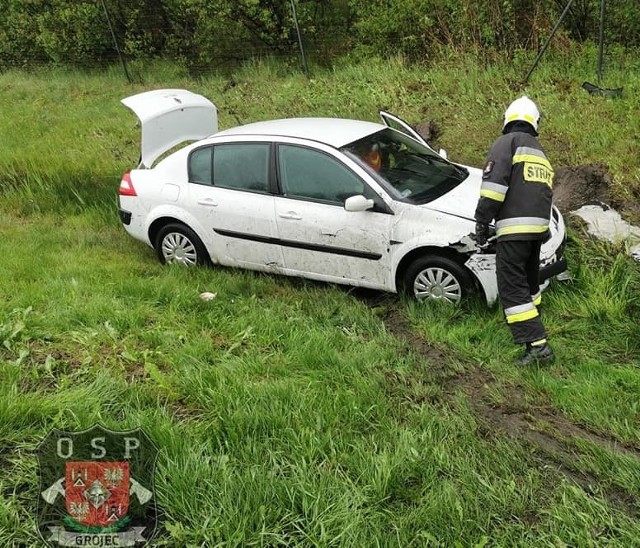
601 41
304 59
115 42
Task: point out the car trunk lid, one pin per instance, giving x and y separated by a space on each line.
169 117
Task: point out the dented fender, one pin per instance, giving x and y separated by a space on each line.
483 267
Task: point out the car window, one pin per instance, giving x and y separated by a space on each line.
200 166
243 166
414 172
306 173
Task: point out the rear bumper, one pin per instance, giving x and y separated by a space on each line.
125 217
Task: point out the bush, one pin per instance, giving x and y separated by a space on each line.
206 34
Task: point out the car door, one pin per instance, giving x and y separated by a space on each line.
230 194
319 238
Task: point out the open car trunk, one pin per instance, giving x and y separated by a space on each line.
169 117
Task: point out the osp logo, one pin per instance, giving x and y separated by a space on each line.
96 488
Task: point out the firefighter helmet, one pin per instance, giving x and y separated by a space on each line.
523 109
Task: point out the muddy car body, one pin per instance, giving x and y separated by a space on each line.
303 197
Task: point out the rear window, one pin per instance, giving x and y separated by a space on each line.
242 166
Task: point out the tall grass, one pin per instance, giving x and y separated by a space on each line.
292 413
78 129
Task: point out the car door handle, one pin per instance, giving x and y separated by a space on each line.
208 202
290 215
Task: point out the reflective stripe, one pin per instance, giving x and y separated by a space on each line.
523 316
493 190
530 154
539 342
518 116
521 229
537 298
495 187
492 195
533 158
522 225
521 313
523 221
518 308
530 151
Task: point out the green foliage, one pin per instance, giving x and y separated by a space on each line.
73 32
19 33
290 413
211 34
418 27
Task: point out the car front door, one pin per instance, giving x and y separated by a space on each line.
230 195
319 238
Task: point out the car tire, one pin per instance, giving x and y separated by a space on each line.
177 243
438 279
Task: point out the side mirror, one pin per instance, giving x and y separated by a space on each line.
443 153
357 203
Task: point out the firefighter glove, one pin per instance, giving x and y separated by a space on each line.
482 234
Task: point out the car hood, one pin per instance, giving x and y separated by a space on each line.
463 199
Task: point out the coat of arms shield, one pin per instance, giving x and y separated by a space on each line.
97 488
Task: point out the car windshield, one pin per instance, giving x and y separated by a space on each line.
414 172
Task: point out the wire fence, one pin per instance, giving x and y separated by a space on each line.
217 36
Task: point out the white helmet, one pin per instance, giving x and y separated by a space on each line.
523 109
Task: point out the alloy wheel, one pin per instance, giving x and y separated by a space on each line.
437 284
177 248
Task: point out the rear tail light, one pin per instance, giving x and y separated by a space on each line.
126 186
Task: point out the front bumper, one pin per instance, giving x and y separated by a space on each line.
551 270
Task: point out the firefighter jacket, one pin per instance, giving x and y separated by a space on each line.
516 186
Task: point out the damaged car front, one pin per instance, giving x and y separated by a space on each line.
434 205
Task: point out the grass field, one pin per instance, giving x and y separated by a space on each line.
293 413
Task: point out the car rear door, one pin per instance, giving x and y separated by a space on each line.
319 238
230 194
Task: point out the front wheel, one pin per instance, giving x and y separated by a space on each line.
437 279
177 243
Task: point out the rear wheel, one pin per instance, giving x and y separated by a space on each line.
177 243
437 279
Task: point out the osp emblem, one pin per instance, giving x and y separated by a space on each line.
96 488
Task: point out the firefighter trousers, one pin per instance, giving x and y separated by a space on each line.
517 268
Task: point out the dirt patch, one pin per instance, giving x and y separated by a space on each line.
591 184
398 325
554 440
574 187
430 131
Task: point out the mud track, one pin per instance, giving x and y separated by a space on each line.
555 443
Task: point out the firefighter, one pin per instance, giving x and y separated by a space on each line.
516 192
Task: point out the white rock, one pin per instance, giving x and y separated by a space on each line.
207 296
607 224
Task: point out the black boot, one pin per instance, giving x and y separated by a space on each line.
534 354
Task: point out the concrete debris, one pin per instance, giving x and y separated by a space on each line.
607 224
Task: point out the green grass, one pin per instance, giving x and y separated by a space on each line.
294 413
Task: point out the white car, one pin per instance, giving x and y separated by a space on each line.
336 200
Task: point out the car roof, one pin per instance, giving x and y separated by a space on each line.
335 132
